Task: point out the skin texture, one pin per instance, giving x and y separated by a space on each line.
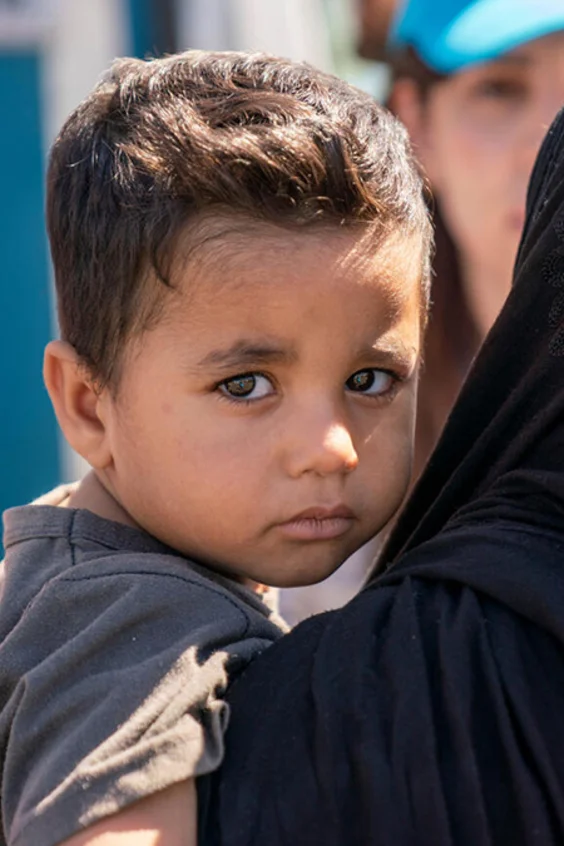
477 135
167 818
220 477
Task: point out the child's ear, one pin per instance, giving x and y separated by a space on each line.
76 401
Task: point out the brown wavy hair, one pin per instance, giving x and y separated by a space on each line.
161 144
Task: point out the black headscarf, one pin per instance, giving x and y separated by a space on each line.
430 710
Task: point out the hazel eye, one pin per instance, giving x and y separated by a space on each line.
246 386
371 381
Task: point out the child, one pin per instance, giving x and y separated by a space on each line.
241 253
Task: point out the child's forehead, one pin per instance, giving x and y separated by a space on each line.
264 294
254 280
238 252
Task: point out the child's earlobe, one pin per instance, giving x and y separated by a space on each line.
76 402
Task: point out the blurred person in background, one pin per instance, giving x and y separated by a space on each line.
477 83
374 19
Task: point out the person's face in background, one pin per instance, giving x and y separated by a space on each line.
477 134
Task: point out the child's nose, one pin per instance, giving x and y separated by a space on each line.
326 450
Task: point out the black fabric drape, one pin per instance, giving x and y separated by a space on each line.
430 710
504 441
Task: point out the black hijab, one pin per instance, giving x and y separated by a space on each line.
430 710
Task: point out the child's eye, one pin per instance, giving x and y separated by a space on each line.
246 386
371 381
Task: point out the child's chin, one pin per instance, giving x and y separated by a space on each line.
308 572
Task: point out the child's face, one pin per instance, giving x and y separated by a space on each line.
264 426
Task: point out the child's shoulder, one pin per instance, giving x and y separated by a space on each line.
115 653
63 558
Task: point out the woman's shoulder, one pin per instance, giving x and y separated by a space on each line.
414 709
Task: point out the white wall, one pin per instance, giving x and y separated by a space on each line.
81 39
85 36
296 29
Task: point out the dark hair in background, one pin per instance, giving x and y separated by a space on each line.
163 143
452 337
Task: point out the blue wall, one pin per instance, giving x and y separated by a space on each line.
152 26
30 454
29 460
142 27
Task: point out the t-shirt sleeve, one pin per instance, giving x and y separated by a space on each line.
424 713
116 683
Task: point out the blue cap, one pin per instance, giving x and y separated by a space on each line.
452 34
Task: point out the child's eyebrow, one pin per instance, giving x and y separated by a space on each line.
247 352
391 349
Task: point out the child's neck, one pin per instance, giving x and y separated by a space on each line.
92 495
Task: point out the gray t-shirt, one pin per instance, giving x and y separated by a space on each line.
114 655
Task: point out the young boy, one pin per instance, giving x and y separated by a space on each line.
241 253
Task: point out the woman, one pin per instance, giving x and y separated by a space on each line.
477 83
429 710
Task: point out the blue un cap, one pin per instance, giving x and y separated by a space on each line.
452 34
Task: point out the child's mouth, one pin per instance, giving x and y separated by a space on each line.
319 523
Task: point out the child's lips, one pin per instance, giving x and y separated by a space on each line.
319 523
